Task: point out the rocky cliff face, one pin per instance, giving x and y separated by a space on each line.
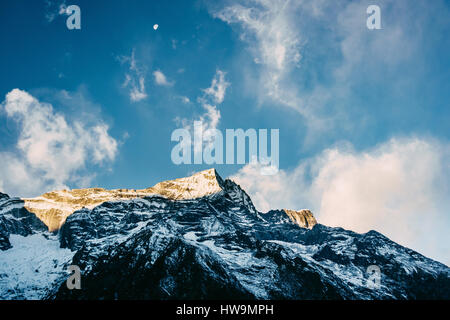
15 219
54 207
304 218
201 238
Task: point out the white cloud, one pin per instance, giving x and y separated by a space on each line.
268 191
137 90
134 78
399 188
270 23
161 79
276 39
50 151
272 33
310 54
210 118
185 99
213 95
218 87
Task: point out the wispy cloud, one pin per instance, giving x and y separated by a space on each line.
283 37
399 188
50 151
161 79
134 77
212 96
54 9
274 40
218 87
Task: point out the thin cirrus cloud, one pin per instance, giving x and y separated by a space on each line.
274 41
212 96
283 46
51 151
134 78
218 87
399 188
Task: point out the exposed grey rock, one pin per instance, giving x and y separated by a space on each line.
219 246
15 219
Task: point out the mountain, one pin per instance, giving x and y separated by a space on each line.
198 237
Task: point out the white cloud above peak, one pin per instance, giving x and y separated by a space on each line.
399 188
51 151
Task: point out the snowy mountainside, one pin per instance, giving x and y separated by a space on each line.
54 207
209 242
15 219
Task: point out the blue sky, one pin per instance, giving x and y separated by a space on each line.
360 112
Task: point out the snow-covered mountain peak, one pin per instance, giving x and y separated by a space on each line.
198 185
54 207
164 244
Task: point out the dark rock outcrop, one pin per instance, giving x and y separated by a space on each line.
15 219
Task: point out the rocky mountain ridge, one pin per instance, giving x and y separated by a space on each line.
215 246
54 207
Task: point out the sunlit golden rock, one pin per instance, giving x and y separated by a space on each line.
304 218
54 207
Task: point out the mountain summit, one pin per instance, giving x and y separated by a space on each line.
54 207
198 237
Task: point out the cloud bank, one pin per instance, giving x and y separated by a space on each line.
50 152
399 188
